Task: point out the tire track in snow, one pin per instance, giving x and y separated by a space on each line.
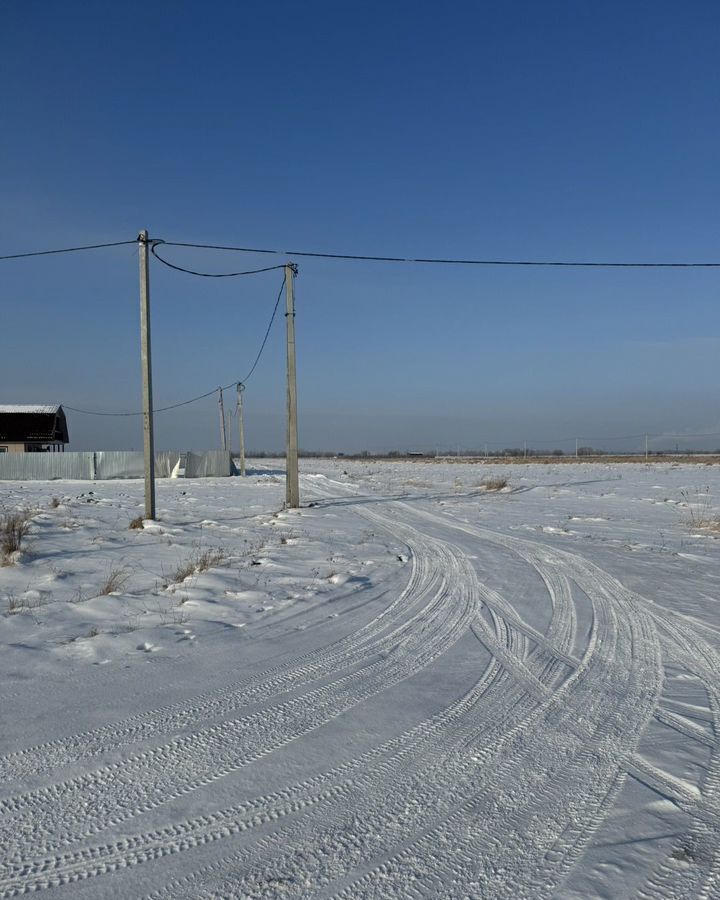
79 807
515 732
591 580
370 827
332 786
311 666
693 867
521 833
529 678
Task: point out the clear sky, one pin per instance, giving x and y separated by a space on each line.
556 130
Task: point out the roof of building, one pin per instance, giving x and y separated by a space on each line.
21 423
29 408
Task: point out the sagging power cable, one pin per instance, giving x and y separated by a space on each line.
153 249
159 409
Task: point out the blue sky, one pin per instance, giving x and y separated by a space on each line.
559 130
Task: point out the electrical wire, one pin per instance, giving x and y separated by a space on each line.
159 409
165 262
267 334
365 258
89 412
67 250
452 262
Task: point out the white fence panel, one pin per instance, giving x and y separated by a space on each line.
209 464
45 466
107 464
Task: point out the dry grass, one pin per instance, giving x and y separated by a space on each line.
23 604
173 612
494 483
699 512
137 522
115 581
55 502
709 523
15 604
200 561
14 527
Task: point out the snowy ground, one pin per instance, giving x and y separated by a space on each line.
411 687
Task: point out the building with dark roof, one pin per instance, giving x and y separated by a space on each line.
32 429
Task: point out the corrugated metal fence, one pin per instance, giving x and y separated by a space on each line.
102 464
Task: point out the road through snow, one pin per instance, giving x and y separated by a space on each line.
501 791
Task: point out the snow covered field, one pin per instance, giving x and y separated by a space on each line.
411 687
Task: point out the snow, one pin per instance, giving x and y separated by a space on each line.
29 408
412 686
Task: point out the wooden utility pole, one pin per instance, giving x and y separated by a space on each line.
292 478
646 446
223 433
241 426
146 363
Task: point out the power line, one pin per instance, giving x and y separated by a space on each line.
452 262
366 258
267 334
165 262
67 250
90 412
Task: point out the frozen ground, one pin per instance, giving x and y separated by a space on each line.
412 687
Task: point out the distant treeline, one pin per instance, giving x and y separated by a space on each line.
513 452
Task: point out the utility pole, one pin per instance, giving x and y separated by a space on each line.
146 364
576 448
223 434
241 425
525 449
646 447
292 478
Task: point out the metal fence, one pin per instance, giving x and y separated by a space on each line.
106 464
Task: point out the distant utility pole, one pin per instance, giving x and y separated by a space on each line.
525 449
223 433
241 426
292 478
146 364
646 446
576 448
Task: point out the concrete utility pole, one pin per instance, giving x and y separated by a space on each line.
223 433
241 425
146 363
292 478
